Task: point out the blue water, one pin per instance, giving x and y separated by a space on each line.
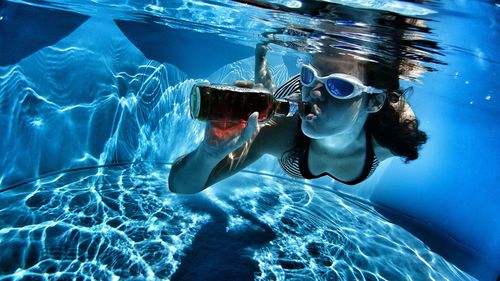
94 109
120 223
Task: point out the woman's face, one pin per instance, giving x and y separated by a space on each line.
331 116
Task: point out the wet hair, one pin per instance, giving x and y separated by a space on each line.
401 136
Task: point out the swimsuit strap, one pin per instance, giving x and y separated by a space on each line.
370 164
291 86
290 159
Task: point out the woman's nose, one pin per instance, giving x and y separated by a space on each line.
316 93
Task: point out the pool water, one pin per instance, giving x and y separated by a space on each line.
119 222
94 109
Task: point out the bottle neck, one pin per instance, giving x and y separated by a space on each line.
289 108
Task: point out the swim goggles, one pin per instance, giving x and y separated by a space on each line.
340 86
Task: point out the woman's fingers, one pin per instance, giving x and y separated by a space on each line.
251 129
244 83
224 137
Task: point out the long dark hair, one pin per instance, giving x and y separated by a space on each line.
401 136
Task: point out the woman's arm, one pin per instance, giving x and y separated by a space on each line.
222 153
262 73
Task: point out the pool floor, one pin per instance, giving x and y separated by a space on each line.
121 222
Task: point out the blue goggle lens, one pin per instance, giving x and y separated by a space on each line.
339 87
306 76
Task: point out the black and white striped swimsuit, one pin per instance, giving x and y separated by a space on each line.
295 162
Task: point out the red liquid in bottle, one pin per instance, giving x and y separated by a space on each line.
230 103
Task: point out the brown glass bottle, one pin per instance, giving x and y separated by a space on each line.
231 103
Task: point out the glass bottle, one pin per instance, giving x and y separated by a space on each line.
210 102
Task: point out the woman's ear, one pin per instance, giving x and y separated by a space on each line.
375 102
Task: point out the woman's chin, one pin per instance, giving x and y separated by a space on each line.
313 129
310 129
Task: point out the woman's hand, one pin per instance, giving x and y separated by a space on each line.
222 138
262 74
194 171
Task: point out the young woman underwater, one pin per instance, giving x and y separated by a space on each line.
357 121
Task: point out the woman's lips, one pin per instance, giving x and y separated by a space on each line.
311 117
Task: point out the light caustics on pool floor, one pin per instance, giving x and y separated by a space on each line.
112 223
